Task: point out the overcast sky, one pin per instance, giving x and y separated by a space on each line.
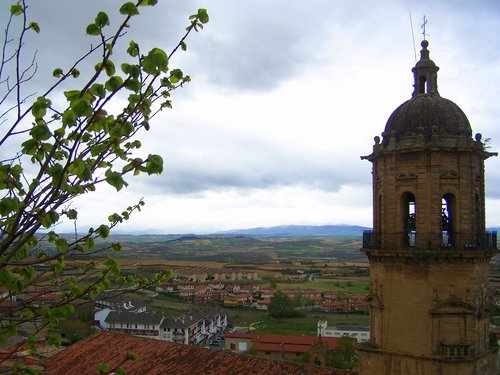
285 97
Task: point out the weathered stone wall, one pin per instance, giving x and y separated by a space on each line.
428 312
428 175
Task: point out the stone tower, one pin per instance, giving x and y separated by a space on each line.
429 252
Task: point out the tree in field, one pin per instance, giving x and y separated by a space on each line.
344 355
64 150
282 307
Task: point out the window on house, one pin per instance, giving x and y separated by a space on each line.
233 346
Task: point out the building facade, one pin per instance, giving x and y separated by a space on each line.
304 349
193 328
429 252
356 332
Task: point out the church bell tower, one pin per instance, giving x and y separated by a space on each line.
429 252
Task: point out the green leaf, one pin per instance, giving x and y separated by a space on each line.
54 339
148 2
132 70
80 169
115 218
93 29
34 26
154 164
72 214
202 15
8 205
175 76
156 61
103 231
114 83
16 9
30 146
115 179
112 265
75 73
133 84
40 132
39 108
109 67
47 219
81 107
89 243
97 89
62 245
183 46
129 9
72 94
68 118
133 48
101 19
57 72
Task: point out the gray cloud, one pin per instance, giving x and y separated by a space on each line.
186 177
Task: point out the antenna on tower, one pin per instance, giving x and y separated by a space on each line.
424 24
413 36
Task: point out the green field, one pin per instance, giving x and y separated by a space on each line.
327 285
260 320
239 249
305 325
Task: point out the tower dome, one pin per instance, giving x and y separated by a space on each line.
426 113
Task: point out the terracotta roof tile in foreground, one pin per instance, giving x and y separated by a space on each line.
159 357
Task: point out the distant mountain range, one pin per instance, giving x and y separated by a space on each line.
298 231
276 231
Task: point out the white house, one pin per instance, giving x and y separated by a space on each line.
360 333
193 328
190 328
100 317
138 324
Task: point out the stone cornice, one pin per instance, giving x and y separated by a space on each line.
428 257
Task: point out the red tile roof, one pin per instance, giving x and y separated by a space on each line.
159 357
282 339
280 348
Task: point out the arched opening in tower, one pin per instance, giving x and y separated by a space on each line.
422 85
447 220
409 219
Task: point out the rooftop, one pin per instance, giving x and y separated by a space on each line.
348 327
159 357
282 343
426 113
133 317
